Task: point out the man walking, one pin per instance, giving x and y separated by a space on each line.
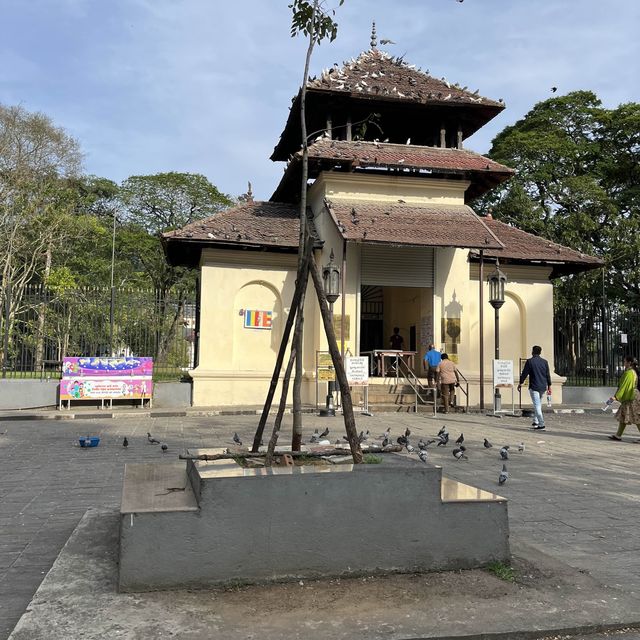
537 369
431 361
449 379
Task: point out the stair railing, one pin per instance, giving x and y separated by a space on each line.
409 377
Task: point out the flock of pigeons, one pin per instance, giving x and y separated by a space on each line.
440 440
151 440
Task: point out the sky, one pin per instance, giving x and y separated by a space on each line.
204 86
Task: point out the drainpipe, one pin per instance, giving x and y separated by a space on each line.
481 325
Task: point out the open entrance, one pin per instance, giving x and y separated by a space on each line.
410 309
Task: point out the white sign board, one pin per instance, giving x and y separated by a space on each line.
503 373
357 371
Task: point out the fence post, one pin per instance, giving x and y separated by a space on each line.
5 345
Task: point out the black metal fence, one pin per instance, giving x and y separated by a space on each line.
39 327
591 342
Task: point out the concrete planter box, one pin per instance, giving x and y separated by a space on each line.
232 524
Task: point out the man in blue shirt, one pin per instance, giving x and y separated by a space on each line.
431 361
537 369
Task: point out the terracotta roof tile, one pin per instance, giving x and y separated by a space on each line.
377 74
428 225
372 154
523 246
251 223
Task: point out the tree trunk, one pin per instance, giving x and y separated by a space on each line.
301 284
297 344
42 311
283 396
341 376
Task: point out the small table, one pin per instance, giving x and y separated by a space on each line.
395 355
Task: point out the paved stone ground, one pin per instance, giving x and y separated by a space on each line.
573 494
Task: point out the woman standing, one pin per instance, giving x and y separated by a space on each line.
628 397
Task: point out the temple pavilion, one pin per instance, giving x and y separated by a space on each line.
390 194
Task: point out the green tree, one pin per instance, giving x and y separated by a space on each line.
576 182
152 205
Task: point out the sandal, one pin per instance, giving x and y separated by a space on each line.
615 437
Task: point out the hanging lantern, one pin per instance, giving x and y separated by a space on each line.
331 278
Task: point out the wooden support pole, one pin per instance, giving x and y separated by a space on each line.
443 136
459 142
349 132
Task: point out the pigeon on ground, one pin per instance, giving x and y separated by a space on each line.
338 441
442 431
363 436
236 439
487 444
386 442
504 452
324 434
125 442
315 436
151 439
407 432
459 454
460 439
410 447
504 475
521 447
164 447
386 434
423 445
444 439
422 454
402 441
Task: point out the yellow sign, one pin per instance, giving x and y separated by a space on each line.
324 359
337 326
326 374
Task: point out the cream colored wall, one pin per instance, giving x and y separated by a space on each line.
416 191
235 363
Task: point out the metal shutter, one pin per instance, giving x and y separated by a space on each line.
397 266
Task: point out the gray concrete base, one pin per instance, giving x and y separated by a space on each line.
19 394
216 523
78 599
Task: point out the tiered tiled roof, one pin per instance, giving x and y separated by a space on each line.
407 100
359 155
523 247
252 225
404 224
274 226
376 73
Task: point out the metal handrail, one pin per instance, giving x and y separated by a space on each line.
465 390
418 388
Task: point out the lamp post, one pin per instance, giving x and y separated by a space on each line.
331 282
497 280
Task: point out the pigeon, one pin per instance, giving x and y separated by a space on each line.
444 439
504 475
386 434
164 447
410 448
554 89
402 441
460 440
324 434
386 41
361 437
386 442
459 454
521 447
315 436
422 454
504 452
442 431
236 439
487 444
151 439
338 442
407 432
125 442
423 445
